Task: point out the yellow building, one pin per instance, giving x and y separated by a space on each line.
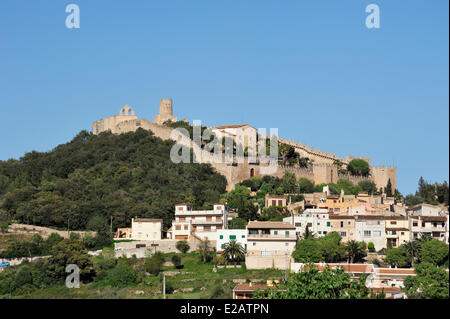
397 230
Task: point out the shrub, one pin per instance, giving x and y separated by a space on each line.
176 260
183 246
371 247
121 275
219 260
376 262
154 263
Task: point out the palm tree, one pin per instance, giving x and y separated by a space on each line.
233 251
354 250
413 250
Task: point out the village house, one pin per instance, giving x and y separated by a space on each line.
269 244
386 280
428 219
369 228
275 200
146 229
247 290
317 221
224 236
344 225
397 230
198 224
241 134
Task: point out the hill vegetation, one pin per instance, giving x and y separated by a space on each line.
84 182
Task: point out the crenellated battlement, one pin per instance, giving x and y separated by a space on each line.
322 170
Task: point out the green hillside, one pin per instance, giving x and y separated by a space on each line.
103 175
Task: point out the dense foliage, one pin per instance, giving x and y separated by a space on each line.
430 282
429 193
104 175
328 249
358 167
312 284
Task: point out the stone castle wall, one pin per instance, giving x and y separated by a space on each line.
322 171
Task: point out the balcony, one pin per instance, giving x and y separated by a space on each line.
207 222
392 234
280 237
200 213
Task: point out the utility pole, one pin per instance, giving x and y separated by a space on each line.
164 286
287 267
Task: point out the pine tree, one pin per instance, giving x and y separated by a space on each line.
389 188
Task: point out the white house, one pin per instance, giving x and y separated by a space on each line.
201 224
269 245
371 228
224 236
146 229
316 219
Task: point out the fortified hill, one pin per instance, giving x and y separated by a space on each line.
323 170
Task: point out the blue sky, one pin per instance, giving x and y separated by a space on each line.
310 68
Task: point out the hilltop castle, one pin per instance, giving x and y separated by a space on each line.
323 170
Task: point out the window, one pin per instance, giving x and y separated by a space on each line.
274 203
415 224
275 232
318 224
186 227
367 233
232 236
328 224
343 234
376 233
287 233
221 236
177 227
325 232
320 232
243 236
393 223
342 224
182 219
222 246
280 203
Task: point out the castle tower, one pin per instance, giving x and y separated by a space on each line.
165 107
165 112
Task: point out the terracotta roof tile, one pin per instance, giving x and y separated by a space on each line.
270 225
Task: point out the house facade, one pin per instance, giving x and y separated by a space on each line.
269 244
224 236
397 230
198 224
146 229
344 225
370 228
317 220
